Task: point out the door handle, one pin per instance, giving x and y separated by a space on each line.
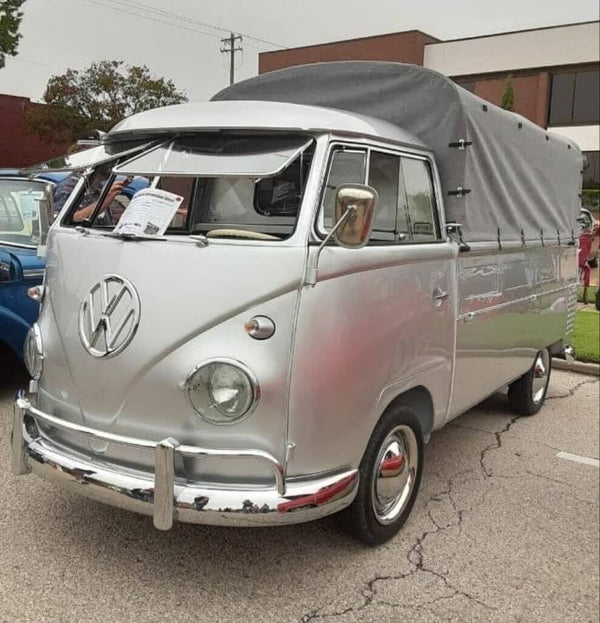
438 296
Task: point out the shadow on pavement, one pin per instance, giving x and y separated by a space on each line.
13 374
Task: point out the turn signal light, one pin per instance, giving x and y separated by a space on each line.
36 293
260 327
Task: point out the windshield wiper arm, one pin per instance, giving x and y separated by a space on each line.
124 236
200 239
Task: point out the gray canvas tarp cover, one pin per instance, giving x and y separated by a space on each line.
520 177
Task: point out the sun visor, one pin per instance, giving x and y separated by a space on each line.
243 157
89 157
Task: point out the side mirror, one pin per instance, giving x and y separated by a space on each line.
354 209
354 215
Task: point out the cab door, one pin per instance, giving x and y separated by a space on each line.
377 316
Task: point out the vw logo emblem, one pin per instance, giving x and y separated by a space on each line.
109 316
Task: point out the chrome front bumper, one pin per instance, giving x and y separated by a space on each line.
163 496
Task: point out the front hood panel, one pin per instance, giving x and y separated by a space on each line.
192 305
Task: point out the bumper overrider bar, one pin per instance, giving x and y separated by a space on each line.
163 496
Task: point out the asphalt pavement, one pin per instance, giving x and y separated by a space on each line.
505 528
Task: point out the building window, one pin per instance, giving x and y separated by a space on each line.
591 170
575 98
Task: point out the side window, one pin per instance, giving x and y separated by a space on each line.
424 224
385 176
346 167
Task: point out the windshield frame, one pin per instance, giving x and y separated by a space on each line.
300 237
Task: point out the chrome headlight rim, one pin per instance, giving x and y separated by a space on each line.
34 335
253 381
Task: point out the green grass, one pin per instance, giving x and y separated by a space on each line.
586 337
590 294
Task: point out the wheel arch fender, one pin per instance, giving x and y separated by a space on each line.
419 398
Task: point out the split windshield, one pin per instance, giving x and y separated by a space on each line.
232 186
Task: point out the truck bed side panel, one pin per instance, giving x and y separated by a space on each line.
511 304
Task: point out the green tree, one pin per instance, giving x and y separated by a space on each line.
508 96
97 98
10 20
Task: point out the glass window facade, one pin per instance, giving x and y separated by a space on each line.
575 98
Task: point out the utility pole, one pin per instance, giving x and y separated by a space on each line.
230 49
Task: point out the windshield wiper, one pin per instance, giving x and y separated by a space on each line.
200 239
136 237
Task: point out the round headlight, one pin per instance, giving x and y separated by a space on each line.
33 352
223 391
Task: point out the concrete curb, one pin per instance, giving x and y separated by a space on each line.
592 369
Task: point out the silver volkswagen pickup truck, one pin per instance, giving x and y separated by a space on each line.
360 253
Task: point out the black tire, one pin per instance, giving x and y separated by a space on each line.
360 519
598 299
526 395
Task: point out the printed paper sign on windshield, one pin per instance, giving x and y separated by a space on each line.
149 213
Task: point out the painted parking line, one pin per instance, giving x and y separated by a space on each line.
586 460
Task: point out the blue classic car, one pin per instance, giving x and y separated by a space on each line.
25 208
28 204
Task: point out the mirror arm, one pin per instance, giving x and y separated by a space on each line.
312 270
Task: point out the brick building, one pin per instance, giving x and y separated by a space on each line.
18 147
555 72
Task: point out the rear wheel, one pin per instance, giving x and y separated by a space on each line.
390 473
527 394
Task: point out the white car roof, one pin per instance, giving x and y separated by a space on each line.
260 116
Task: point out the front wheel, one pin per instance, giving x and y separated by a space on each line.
390 473
526 395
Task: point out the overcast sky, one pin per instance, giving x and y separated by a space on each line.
180 39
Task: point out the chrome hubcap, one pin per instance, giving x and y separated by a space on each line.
541 368
395 472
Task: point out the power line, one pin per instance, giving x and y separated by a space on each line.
132 7
20 59
152 19
191 20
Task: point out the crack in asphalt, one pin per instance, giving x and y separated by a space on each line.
573 389
528 439
416 563
495 445
414 555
